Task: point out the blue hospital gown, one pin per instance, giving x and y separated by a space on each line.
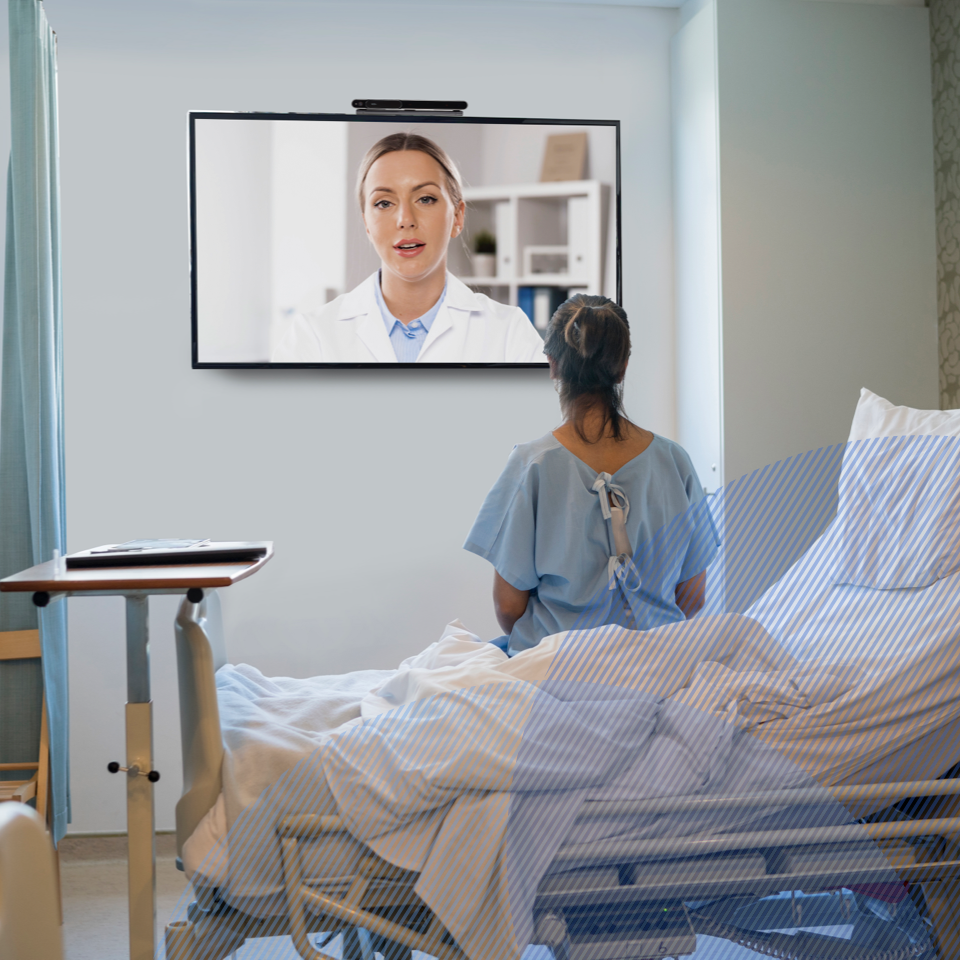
542 528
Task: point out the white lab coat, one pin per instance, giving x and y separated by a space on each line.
469 328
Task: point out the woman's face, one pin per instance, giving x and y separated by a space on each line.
409 214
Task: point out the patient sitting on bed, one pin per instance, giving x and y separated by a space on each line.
600 521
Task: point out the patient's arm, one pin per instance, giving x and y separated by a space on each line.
692 594
508 602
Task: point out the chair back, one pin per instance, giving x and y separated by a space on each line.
29 912
24 735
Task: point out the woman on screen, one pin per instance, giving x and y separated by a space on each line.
412 310
599 521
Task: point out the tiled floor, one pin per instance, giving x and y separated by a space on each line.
93 874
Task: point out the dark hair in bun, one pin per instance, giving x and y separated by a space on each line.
588 339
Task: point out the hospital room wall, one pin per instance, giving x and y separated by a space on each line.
814 239
828 220
368 481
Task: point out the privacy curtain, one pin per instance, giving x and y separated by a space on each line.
32 514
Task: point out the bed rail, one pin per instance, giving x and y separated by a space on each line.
314 826
616 851
804 796
200 652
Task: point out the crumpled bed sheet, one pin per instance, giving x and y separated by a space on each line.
471 768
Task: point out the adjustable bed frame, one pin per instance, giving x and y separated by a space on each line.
606 900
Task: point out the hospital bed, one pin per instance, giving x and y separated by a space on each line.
614 899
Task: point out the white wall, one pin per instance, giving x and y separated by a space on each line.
271 223
696 192
234 237
827 212
368 481
309 208
827 280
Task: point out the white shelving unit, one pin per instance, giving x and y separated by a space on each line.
570 214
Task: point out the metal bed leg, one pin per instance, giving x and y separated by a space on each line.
179 941
293 878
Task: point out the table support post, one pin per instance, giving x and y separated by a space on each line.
141 863
138 650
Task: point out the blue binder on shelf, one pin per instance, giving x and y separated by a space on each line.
540 303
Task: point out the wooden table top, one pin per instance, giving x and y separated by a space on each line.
170 577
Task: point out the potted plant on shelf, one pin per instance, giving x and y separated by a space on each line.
484 254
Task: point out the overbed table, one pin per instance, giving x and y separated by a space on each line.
136 584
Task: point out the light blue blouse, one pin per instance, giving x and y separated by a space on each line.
544 530
407 338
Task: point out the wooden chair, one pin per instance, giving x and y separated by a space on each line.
25 645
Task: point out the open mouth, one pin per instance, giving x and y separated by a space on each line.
409 248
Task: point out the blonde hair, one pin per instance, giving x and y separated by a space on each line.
396 142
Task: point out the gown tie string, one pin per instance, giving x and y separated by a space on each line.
615 508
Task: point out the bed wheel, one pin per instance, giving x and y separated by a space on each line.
550 928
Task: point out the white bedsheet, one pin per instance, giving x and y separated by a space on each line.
269 724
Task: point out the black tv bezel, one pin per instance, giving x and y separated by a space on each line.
195 115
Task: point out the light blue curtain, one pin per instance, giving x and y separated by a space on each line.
32 509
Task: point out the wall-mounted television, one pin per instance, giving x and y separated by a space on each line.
293 266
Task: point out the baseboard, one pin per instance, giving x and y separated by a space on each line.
110 846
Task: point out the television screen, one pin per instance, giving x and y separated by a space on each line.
327 240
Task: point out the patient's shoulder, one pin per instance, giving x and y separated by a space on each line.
526 458
673 450
674 458
535 451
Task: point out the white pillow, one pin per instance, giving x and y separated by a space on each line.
899 510
876 417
